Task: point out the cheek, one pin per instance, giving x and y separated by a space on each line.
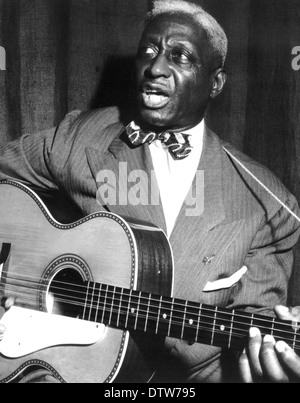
139 72
198 90
188 93
192 98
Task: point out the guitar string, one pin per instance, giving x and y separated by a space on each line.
156 298
147 317
261 184
109 306
181 322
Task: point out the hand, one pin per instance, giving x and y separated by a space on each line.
265 360
8 303
5 305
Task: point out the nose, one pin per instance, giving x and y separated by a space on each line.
159 66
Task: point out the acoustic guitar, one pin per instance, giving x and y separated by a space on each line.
93 298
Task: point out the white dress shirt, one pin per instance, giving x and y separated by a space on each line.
175 177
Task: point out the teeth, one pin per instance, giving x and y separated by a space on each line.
153 100
152 93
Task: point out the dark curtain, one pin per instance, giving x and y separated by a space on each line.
77 54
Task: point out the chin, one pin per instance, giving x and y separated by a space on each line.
154 118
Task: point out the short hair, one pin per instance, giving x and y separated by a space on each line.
215 33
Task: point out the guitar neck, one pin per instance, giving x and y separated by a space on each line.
173 317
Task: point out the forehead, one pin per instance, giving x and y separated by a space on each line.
173 29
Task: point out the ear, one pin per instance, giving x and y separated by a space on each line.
218 81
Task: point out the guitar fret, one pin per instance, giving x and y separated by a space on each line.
95 302
170 318
104 306
119 308
251 321
183 321
98 302
147 313
198 323
214 325
272 328
230 331
158 315
137 311
295 335
91 302
86 300
129 302
112 305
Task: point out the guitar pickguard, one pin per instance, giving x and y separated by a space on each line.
24 331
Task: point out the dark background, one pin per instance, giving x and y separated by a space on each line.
77 54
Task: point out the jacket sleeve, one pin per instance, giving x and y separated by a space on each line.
27 159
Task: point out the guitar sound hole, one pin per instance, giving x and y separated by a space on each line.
66 294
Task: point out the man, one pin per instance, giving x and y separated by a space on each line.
232 242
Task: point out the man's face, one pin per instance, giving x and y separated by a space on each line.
173 73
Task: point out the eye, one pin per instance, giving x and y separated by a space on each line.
180 57
147 52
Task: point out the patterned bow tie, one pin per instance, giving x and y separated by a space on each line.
177 143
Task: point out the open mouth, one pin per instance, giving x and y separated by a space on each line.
154 98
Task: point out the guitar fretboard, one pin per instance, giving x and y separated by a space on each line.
192 321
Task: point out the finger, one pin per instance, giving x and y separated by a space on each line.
2 331
254 345
9 302
271 366
283 312
288 357
244 368
296 312
292 315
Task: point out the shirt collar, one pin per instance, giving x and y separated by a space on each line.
196 134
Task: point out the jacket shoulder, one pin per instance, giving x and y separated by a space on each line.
259 181
97 120
90 128
244 177
249 167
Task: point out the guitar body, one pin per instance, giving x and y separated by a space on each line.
102 247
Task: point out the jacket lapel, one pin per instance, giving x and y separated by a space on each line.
204 203
131 189
190 239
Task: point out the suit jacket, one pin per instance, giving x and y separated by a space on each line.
238 223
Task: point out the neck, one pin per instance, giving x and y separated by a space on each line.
160 129
173 317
